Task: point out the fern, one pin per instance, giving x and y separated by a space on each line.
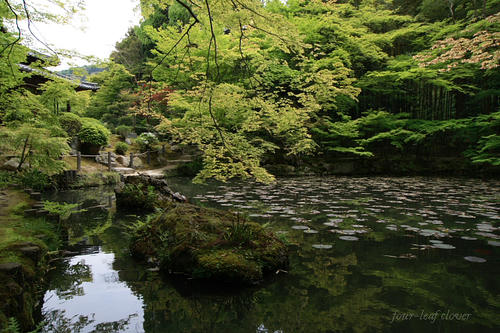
12 326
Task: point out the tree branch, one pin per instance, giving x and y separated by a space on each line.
11 45
31 31
163 59
214 40
189 10
245 62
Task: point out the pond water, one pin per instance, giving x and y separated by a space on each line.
367 254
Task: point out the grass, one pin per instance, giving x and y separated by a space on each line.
89 165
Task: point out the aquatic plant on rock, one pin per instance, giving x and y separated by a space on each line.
144 193
136 197
208 244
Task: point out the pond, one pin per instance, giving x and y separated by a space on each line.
367 254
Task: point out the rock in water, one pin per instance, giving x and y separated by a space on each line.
143 192
209 244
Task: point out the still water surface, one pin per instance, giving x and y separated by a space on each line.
367 255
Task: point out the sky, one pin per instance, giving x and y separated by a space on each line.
105 22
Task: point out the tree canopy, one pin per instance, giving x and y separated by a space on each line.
252 84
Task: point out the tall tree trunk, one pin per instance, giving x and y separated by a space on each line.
23 154
451 5
460 105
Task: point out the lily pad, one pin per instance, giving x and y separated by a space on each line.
494 243
322 246
443 246
475 259
468 238
310 231
300 227
349 238
347 232
435 241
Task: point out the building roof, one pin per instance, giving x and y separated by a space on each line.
46 75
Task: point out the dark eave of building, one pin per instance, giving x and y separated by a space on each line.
43 75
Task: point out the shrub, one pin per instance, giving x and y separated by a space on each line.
110 119
126 120
35 179
18 115
93 132
146 141
121 148
6 178
71 123
137 197
123 131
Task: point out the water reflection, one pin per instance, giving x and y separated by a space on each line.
396 269
88 296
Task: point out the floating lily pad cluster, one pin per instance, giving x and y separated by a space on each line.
432 212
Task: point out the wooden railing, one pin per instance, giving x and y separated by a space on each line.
148 153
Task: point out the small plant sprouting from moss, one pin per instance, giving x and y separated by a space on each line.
239 231
138 197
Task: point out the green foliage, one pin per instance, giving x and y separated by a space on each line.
121 148
12 326
71 123
239 232
434 10
63 210
131 53
18 115
209 244
37 147
137 197
488 150
93 132
146 141
6 178
35 179
113 95
56 94
123 130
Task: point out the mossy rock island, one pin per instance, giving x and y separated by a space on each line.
209 244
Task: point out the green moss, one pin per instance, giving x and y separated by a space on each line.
24 242
227 265
137 197
18 210
209 244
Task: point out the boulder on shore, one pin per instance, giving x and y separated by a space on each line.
123 160
13 164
